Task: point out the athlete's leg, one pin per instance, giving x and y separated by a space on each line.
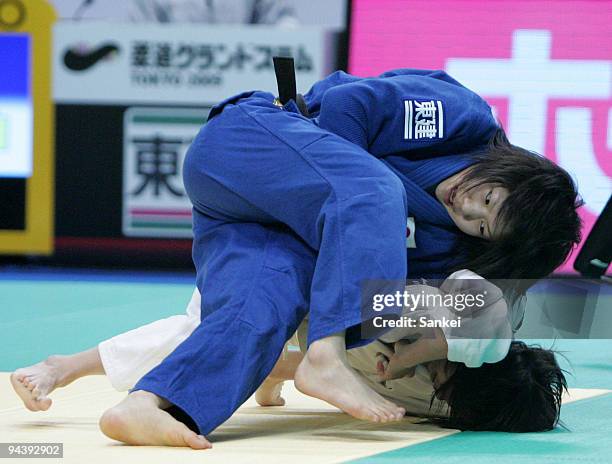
257 162
124 359
255 293
260 164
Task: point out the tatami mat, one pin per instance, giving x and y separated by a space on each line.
586 438
306 430
63 314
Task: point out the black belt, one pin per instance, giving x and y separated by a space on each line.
284 68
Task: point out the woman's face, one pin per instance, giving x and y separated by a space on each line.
474 211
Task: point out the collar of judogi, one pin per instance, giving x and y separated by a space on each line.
425 174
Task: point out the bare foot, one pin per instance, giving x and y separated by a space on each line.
269 393
33 384
324 374
139 420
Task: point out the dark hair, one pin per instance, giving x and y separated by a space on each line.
521 393
539 217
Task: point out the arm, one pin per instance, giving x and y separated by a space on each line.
486 332
484 335
407 113
317 91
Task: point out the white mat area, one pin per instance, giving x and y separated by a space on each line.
304 431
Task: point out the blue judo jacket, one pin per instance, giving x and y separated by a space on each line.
425 126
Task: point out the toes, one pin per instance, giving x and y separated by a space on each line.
394 412
37 394
44 403
398 414
179 435
23 393
278 401
274 402
384 415
271 402
381 414
195 441
31 405
390 415
372 415
390 411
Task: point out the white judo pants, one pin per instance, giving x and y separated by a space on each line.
129 356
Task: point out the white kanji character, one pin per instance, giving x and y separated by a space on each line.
425 109
425 129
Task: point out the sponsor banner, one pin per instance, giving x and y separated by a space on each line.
177 64
155 142
545 66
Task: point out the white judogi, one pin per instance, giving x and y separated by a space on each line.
129 356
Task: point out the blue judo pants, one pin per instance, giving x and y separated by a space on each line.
288 218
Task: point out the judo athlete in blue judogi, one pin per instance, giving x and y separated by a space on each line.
292 214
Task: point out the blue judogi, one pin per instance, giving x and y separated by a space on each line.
292 214
371 113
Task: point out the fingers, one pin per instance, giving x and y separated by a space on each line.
396 371
409 355
381 364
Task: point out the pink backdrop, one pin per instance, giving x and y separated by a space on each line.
545 67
